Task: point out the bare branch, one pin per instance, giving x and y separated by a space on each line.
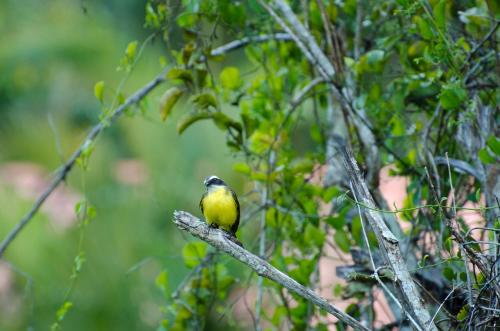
236 44
302 94
481 43
218 239
305 37
389 245
66 168
460 166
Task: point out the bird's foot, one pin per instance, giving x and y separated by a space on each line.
232 236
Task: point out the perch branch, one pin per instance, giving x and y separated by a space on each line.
218 239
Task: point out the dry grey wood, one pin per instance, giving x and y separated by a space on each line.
219 239
233 45
460 166
389 245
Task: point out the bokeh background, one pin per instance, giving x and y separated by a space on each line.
51 55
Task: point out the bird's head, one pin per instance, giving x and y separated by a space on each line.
213 181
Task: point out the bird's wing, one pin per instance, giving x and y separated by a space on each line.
201 202
234 227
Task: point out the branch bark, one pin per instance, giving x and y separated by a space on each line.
236 44
218 239
389 246
460 166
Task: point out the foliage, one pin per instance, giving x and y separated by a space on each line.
415 90
419 77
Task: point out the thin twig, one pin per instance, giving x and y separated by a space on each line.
66 168
481 43
459 165
236 44
442 303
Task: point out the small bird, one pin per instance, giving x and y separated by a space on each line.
219 205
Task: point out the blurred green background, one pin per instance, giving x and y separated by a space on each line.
51 55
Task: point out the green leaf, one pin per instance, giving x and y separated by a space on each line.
485 156
478 195
187 19
342 240
193 253
63 310
349 62
301 165
375 56
330 193
494 144
313 235
230 78
99 91
161 281
242 167
204 100
356 230
448 244
168 101
83 159
440 14
224 122
449 274
424 28
78 264
131 50
178 73
190 119
452 96
463 313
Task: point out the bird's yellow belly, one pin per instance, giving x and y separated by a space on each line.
219 208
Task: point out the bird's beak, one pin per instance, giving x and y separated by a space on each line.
205 182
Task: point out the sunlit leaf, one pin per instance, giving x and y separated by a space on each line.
230 78
130 52
193 253
99 91
161 281
182 74
204 100
168 101
463 313
242 167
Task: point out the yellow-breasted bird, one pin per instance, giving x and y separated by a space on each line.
219 205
